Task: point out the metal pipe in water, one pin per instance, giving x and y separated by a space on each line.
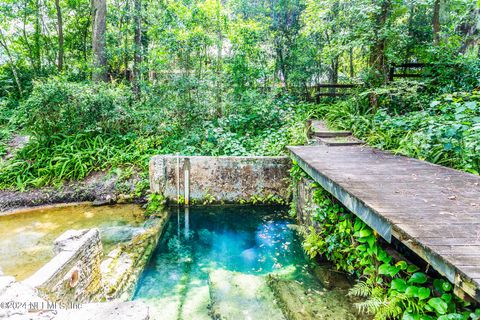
178 179
186 172
187 222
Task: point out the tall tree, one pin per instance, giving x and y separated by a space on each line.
377 50
60 35
137 56
98 41
219 57
3 43
436 22
37 36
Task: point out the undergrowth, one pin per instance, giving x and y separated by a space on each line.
443 130
79 128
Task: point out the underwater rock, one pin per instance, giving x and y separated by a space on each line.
302 301
119 234
331 279
241 296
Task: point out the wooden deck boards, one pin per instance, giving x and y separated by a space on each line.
433 210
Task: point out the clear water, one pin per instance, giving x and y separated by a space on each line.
26 238
249 240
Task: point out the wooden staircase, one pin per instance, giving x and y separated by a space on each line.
321 135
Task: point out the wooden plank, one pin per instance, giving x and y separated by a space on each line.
339 141
337 85
408 75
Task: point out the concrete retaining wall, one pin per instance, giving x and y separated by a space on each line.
124 265
77 273
222 179
73 275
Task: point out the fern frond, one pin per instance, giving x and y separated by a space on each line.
361 289
370 306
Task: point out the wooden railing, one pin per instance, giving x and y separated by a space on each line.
406 67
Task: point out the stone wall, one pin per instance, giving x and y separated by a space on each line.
222 179
77 273
303 199
124 265
73 275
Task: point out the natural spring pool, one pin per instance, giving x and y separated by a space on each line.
215 262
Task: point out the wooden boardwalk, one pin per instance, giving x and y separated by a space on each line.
433 210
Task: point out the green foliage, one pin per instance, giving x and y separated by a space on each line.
56 107
156 202
81 128
65 158
268 199
390 290
446 131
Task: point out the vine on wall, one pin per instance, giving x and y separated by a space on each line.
391 289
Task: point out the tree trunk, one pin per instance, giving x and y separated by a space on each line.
377 51
98 41
436 22
219 60
3 43
333 74
60 35
470 31
352 73
36 37
137 56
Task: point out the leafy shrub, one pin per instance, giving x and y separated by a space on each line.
78 129
58 107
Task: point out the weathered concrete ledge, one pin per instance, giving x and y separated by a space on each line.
73 275
124 265
221 179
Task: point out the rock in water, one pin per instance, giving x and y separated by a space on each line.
302 301
119 234
242 296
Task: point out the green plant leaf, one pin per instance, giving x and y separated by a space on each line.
446 286
387 269
438 305
412 268
418 277
412 291
363 233
402 265
399 284
447 297
423 293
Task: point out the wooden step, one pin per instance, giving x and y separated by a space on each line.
318 128
341 141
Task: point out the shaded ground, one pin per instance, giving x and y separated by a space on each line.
100 187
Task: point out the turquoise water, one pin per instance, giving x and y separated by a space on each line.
248 240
